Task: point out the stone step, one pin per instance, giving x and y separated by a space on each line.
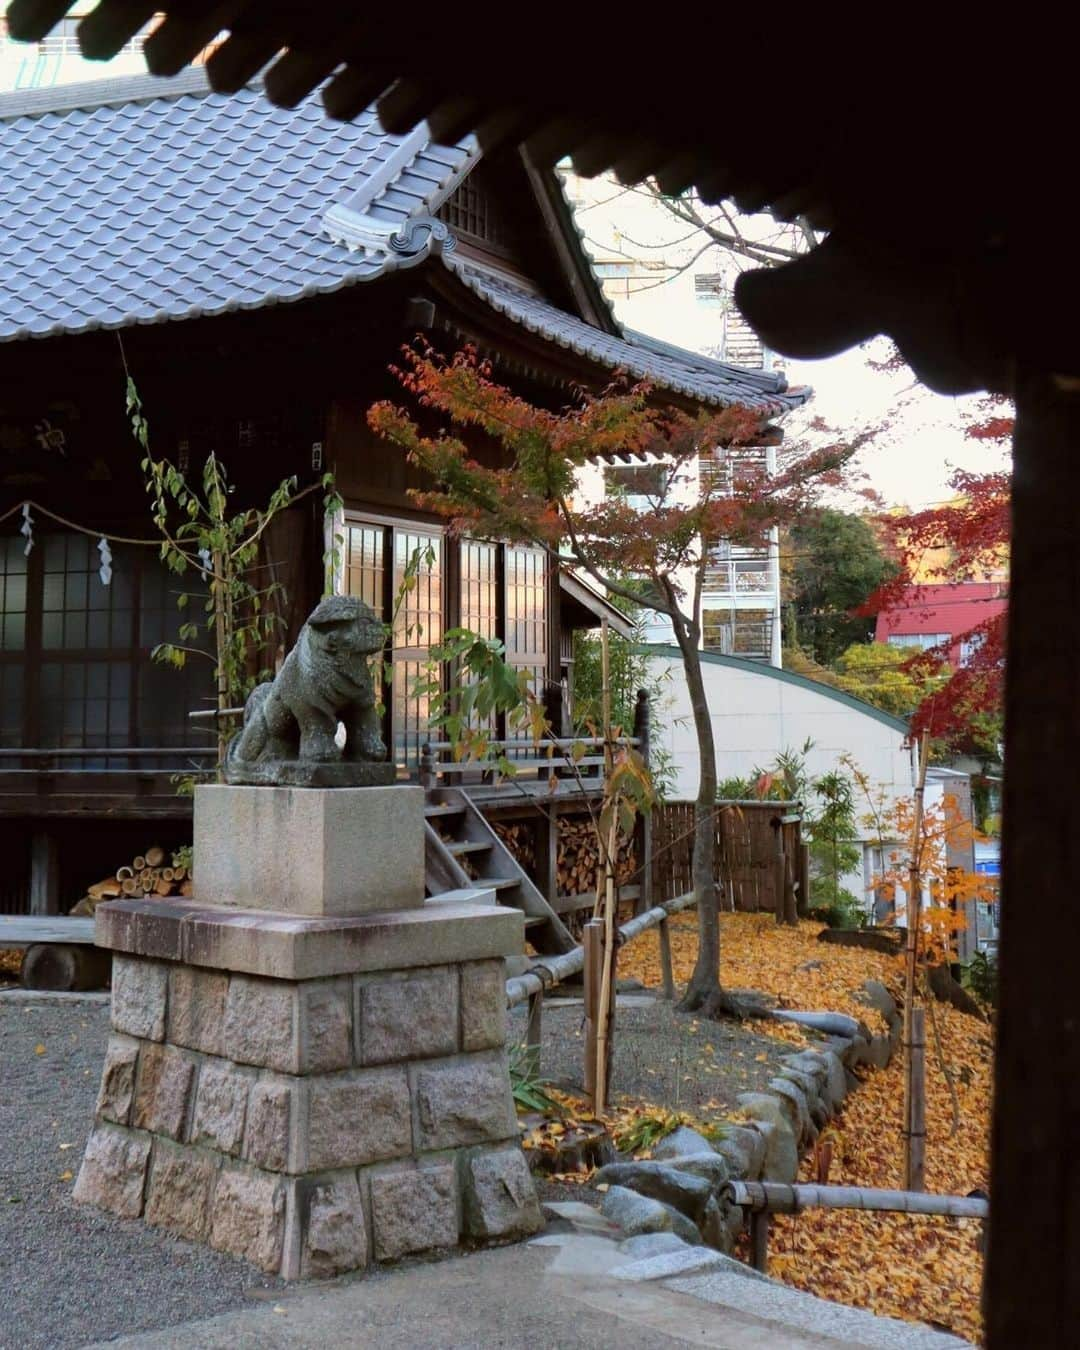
498 883
433 809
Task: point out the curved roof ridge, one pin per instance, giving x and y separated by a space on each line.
113 91
682 372
787 677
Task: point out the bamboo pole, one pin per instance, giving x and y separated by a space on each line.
914 908
604 1010
665 959
915 1179
780 1198
591 938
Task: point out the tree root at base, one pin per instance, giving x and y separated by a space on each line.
717 1003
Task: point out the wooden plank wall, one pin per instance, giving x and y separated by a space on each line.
746 852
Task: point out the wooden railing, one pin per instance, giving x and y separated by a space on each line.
439 767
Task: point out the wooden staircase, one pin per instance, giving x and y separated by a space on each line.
462 851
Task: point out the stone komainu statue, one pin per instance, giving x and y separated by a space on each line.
292 721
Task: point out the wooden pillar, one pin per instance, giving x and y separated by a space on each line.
1034 1285
534 1030
592 940
759 1240
915 1178
44 874
665 959
645 823
547 854
802 906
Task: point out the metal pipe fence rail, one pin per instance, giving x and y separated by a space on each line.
763 1198
549 971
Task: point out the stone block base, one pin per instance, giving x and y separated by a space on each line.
310 1126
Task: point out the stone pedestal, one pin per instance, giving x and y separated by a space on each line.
311 1093
310 850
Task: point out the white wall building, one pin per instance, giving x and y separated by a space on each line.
758 711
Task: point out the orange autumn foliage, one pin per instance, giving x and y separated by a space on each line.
921 1269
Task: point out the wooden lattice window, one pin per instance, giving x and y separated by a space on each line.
473 211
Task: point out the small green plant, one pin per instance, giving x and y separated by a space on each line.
834 852
643 1127
182 857
529 1089
981 978
204 536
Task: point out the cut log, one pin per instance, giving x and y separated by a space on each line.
186 886
129 886
163 888
138 864
155 856
123 872
167 874
61 967
179 873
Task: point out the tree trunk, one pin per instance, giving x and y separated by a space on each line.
704 993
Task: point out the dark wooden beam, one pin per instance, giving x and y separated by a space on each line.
1033 1275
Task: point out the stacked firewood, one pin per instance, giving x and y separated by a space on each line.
147 875
579 857
519 838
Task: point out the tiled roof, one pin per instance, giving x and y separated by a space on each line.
145 207
698 377
141 201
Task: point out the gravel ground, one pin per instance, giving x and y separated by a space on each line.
70 1275
660 1055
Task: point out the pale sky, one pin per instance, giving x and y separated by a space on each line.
911 462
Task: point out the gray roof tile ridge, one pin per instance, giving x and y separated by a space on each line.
110 92
678 369
584 250
350 223
771 381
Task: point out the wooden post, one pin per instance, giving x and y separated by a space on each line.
534 1030
914 912
645 822
592 939
44 874
547 854
802 904
606 1003
915 1171
759 1240
780 872
428 774
791 915
665 959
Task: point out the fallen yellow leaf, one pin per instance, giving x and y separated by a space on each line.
39 1049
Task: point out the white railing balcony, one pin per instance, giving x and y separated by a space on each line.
734 577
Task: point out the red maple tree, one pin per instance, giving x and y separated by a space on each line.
969 533
657 555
